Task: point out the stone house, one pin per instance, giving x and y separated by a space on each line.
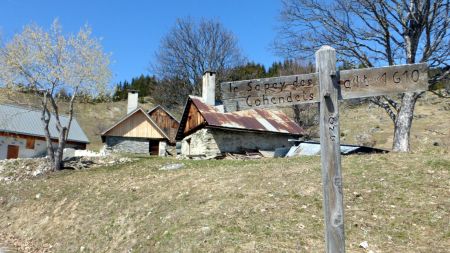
22 134
207 131
140 131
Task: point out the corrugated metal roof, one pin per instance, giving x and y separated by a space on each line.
27 121
313 148
249 120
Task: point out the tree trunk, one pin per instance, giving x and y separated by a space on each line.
45 118
60 150
297 117
403 123
61 138
48 141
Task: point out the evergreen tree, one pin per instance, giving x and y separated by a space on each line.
144 84
249 71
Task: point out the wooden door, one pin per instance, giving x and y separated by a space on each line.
154 147
13 152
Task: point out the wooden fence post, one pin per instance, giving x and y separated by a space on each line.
330 150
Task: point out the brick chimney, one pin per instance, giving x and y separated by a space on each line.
209 88
132 100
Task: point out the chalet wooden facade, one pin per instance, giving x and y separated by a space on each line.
206 131
142 132
194 119
165 121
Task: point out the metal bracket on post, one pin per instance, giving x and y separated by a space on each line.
330 151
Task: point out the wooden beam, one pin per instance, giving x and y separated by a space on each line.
330 150
270 92
371 82
299 89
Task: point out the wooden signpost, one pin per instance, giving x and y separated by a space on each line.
298 89
326 86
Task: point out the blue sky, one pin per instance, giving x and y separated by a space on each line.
132 30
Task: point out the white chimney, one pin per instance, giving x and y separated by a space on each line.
209 88
132 100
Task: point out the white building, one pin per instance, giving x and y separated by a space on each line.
22 133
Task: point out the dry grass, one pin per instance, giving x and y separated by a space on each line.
396 202
430 125
93 118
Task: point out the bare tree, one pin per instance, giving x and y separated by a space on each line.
371 33
305 115
171 93
47 62
191 48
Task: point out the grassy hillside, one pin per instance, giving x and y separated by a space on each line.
431 124
395 202
369 125
362 124
94 118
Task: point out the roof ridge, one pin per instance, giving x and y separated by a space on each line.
164 109
26 120
257 119
139 108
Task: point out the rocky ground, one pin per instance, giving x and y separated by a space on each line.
11 244
27 168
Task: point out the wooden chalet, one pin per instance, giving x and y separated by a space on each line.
137 132
206 131
165 120
140 131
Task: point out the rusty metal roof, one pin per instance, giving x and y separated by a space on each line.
248 120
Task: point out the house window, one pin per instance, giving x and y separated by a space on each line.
30 143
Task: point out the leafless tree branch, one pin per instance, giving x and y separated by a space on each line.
191 48
371 33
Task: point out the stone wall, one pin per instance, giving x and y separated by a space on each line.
128 144
162 148
212 142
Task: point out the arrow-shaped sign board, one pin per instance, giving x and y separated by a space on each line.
298 89
326 86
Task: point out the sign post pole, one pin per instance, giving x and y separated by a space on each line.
326 86
330 150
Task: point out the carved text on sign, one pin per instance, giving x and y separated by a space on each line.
333 121
298 89
338 183
358 83
381 79
270 92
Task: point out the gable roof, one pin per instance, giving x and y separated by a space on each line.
139 109
165 110
27 121
248 120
